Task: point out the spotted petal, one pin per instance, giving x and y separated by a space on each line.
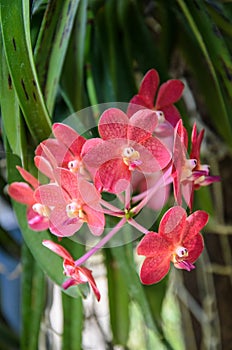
172 224
154 269
113 124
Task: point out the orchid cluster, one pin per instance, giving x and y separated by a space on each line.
138 157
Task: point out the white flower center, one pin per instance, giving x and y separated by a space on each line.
131 157
160 116
41 209
181 252
74 165
187 168
74 210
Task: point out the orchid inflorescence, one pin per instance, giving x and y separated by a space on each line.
138 155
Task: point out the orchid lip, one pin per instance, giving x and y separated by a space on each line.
74 210
41 209
131 157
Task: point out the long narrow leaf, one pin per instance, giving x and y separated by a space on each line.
51 54
222 123
33 300
119 301
73 323
18 50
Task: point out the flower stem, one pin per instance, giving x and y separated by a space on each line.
163 181
139 227
101 243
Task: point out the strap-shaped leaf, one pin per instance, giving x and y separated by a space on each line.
119 311
33 300
72 323
19 55
52 45
222 121
72 80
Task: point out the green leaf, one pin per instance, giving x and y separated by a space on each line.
16 39
52 45
72 81
203 35
118 301
72 323
33 300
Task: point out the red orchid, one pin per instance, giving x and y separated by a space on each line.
77 274
200 171
188 174
178 240
127 144
22 192
168 93
73 201
63 151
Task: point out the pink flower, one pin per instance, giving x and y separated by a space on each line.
63 151
188 174
73 201
168 93
178 241
77 274
201 172
22 192
127 144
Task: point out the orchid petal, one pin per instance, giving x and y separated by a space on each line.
35 221
172 224
152 245
137 103
149 87
158 150
58 249
141 125
28 177
21 192
95 219
194 223
68 182
169 93
44 166
113 124
153 270
69 137
89 276
114 175
61 225
51 195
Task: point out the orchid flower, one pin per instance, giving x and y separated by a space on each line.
188 174
23 192
77 274
74 201
127 145
168 93
178 241
63 151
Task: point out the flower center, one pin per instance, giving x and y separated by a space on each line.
74 165
187 169
131 157
74 210
41 209
180 254
160 116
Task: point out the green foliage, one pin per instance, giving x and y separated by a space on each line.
64 55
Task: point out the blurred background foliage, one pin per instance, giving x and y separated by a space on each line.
60 56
